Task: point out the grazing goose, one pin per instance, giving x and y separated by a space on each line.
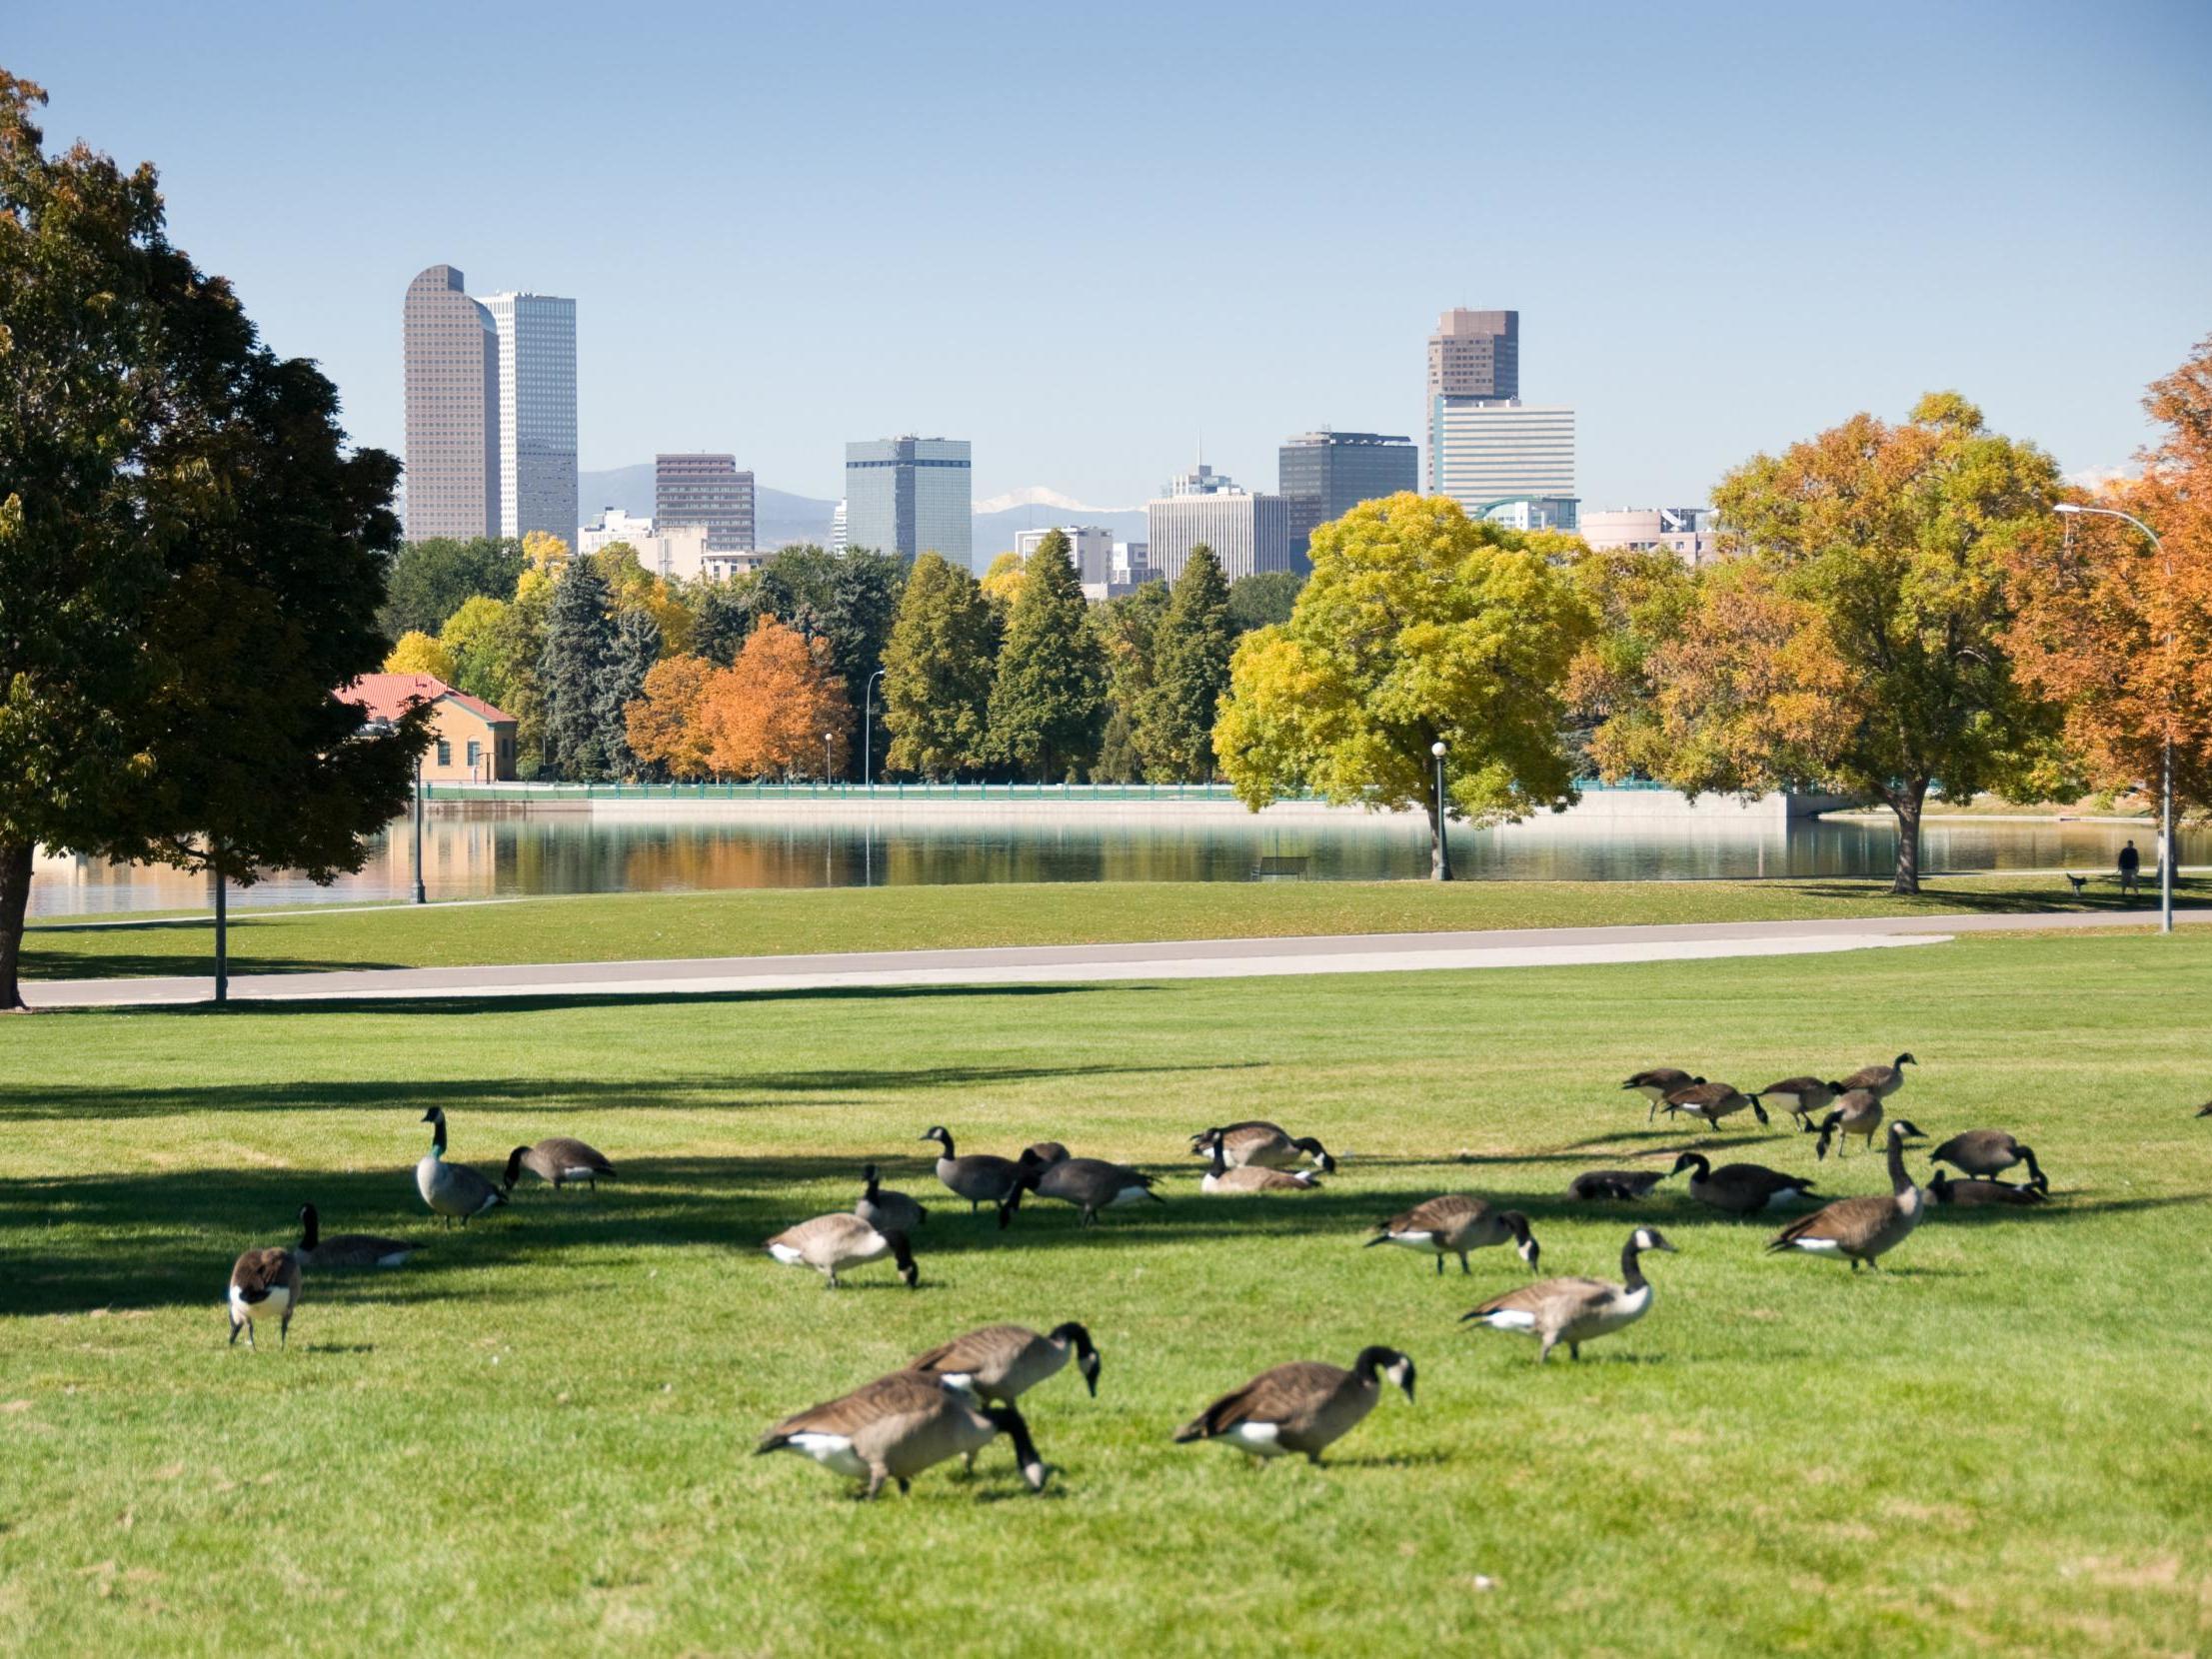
978 1178
1862 1228
1884 1080
898 1426
886 1210
1048 1151
1990 1153
1268 1145
346 1249
1453 1225
1802 1097
1220 1178
1303 1407
1091 1185
1858 1111
1977 1195
829 1242
451 1190
2204 1110
1613 1185
1739 1188
1713 1101
264 1281
1002 1362
1657 1083
558 1159
1575 1311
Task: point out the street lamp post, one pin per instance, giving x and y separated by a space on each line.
867 728
420 896
2168 852
825 759
1441 868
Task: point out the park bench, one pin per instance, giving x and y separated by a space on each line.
1273 867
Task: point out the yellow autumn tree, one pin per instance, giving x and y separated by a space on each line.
768 715
420 653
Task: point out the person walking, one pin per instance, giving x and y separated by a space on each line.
2131 869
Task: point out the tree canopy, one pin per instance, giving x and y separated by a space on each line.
778 710
937 673
1048 701
1191 655
433 578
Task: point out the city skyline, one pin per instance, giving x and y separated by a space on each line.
1693 291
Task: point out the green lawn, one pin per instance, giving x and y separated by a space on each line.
781 921
537 1438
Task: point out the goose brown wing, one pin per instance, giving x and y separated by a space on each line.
257 1272
890 1401
1288 1393
1546 1294
1844 1219
575 1154
977 1350
1438 1215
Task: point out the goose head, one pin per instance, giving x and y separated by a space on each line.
1086 1353
1388 1362
1650 1238
514 1168
1524 1240
939 1135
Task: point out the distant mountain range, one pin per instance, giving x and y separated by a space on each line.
781 518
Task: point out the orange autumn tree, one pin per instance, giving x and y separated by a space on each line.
663 726
765 714
2119 629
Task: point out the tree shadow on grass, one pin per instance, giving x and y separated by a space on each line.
62 966
1980 896
554 1001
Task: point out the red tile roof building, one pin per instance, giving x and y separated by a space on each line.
475 742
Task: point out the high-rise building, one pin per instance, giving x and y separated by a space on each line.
705 490
674 551
1247 533
839 539
1091 547
1489 453
1686 532
537 413
910 496
451 356
1324 475
1472 356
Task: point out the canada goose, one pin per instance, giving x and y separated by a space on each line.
1303 1407
1091 1185
1048 1151
1801 1098
1978 1193
1268 1145
1990 1153
1613 1185
978 1178
346 1249
1657 1083
452 1189
2204 1110
1884 1080
898 1426
1455 1225
1575 1311
829 1242
1002 1362
1739 1188
1858 1111
1861 1228
1220 1178
264 1281
886 1210
1713 1101
560 1160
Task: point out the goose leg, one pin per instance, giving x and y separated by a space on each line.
232 1342
1439 1264
1575 1352
1463 1267
284 1330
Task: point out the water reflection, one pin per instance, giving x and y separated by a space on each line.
483 853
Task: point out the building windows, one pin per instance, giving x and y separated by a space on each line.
476 754
445 753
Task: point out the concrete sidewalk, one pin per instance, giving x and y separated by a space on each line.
1090 963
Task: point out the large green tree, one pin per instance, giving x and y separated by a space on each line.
937 670
1047 701
1419 626
433 578
573 671
1262 599
1641 599
189 560
1853 638
636 646
1174 721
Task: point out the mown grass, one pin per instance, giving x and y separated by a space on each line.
783 922
538 1438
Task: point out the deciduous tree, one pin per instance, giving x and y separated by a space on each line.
937 668
766 715
664 725
1642 601
431 580
419 653
1417 624
1264 598
470 637
1174 720
1048 701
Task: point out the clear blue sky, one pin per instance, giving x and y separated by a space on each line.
1083 242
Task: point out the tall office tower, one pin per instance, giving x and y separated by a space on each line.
1472 354
1089 546
1489 454
452 355
705 490
537 413
910 496
1324 475
1247 533
839 540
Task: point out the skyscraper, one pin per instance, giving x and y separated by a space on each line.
1472 354
705 490
1324 475
1487 448
452 359
1247 533
537 413
910 496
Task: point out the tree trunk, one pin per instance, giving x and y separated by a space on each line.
1906 803
14 899
222 937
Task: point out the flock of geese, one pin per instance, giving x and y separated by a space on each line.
958 1397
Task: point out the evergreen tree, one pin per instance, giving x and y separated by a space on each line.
1118 761
937 673
1048 698
578 651
865 592
1174 720
1263 598
723 615
637 647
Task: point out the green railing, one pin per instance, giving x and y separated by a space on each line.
1108 793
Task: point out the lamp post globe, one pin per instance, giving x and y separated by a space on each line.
1440 863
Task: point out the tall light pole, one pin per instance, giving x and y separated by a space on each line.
2168 851
825 758
867 728
420 896
1441 870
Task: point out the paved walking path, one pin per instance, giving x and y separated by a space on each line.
1079 963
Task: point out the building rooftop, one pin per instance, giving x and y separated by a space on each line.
389 696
